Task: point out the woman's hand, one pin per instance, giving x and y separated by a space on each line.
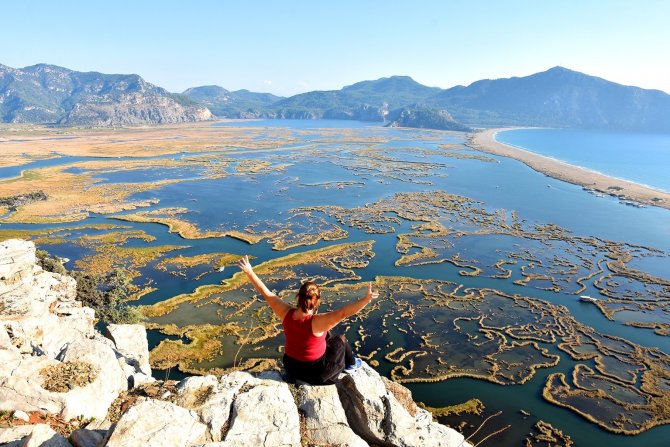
372 294
245 265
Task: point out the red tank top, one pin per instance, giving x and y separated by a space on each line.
301 344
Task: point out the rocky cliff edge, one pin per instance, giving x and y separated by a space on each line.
57 367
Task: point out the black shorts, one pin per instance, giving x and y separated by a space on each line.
323 371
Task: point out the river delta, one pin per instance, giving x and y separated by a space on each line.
480 262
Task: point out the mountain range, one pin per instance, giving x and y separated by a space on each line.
227 104
558 97
50 94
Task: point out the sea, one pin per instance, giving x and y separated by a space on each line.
642 158
497 184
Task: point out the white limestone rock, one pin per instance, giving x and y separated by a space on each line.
43 436
363 392
265 415
5 340
17 258
33 297
40 309
131 342
191 390
21 388
325 420
261 410
138 379
212 398
154 423
379 417
99 425
25 289
13 436
50 334
22 415
94 399
64 330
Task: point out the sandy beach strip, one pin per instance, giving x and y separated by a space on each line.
624 190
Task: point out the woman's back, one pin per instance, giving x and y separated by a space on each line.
316 359
301 343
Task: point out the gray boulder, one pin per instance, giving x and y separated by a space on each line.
86 438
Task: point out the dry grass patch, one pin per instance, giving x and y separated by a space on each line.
64 377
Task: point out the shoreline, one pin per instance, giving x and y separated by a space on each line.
593 181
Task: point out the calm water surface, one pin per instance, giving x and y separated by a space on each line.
639 157
501 184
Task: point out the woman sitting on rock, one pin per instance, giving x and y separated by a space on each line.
310 353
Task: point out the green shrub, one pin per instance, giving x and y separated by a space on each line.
107 296
104 294
49 263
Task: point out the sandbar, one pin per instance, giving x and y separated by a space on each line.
624 190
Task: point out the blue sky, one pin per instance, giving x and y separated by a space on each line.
286 47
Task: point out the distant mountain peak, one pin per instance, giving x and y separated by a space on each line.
210 88
46 67
396 80
560 69
557 97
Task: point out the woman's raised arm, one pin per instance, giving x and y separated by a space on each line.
325 322
279 307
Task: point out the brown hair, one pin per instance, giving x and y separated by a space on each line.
309 296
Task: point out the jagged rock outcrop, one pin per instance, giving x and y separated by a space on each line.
133 109
81 375
382 413
53 359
